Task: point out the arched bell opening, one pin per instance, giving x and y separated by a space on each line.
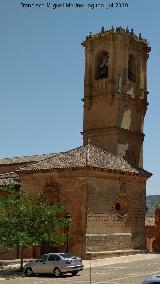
101 64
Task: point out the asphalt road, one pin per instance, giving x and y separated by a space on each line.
128 271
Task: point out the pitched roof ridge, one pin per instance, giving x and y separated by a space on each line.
23 159
44 156
82 156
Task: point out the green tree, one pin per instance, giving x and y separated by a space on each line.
26 220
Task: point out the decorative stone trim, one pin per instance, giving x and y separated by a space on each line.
108 242
111 129
108 96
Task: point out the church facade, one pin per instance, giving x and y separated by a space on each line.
102 182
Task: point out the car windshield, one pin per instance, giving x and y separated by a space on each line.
67 255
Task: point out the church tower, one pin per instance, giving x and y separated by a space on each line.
115 92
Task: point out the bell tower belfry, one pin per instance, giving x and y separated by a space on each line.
115 92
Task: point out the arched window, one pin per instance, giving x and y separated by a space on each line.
131 68
101 66
50 193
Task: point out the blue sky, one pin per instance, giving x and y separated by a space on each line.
42 72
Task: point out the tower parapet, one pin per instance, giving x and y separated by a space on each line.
119 30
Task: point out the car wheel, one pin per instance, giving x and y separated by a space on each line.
28 272
57 272
74 273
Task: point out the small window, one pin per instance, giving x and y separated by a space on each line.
122 206
131 68
57 258
54 257
67 255
118 206
102 66
43 257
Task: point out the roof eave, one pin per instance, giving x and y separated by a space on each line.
28 171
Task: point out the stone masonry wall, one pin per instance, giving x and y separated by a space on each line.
108 223
68 187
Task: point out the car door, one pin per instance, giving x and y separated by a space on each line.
52 262
41 264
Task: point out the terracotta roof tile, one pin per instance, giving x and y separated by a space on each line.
83 156
149 221
9 179
23 159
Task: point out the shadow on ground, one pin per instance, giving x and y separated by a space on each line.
8 272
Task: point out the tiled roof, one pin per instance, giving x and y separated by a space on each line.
9 179
81 157
149 221
23 159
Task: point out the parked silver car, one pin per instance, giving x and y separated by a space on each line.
54 263
151 280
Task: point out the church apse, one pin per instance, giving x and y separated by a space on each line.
114 215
